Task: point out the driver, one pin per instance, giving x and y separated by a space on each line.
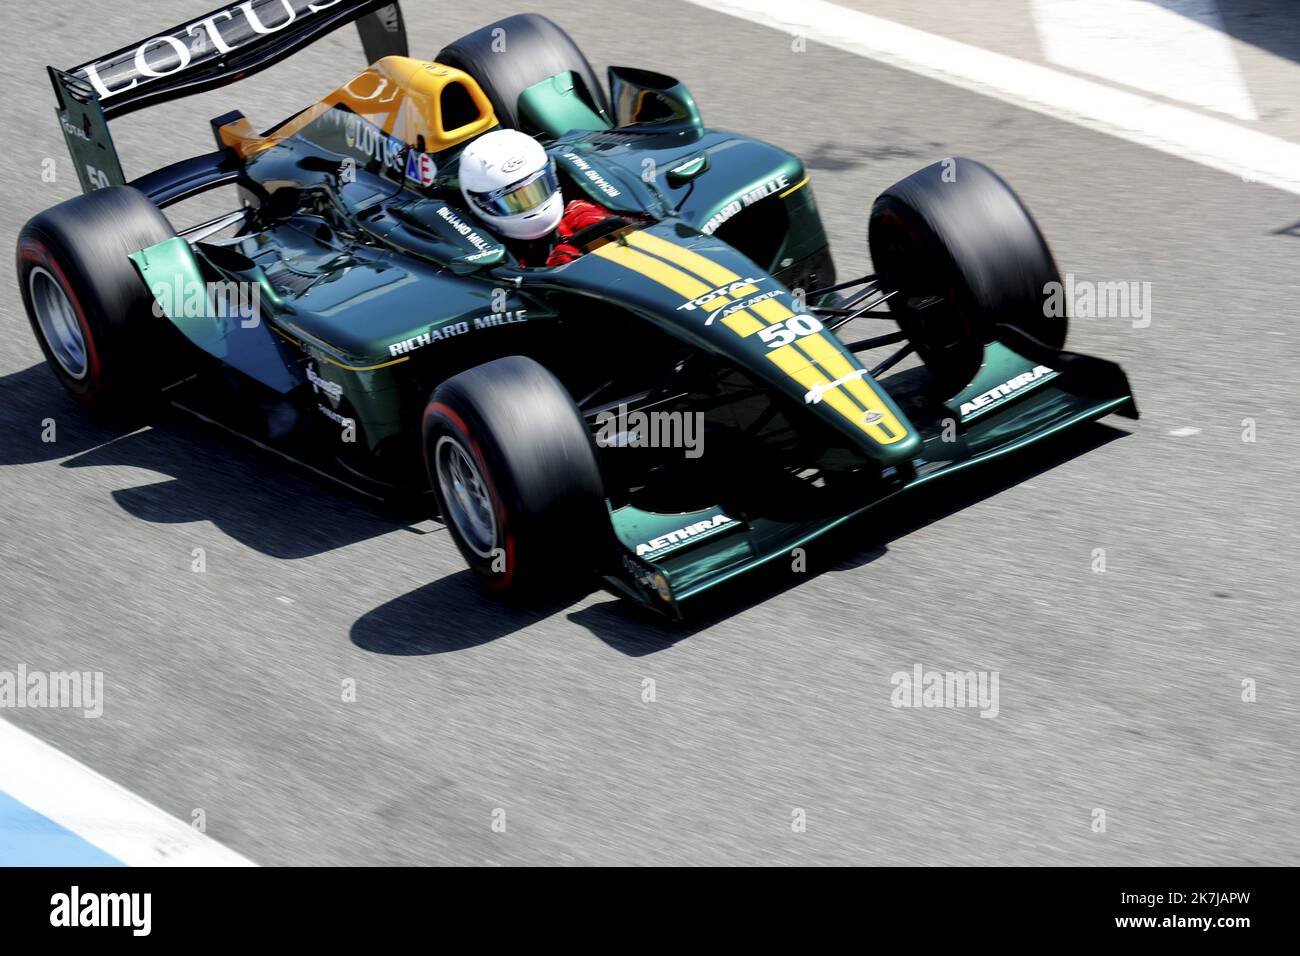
511 184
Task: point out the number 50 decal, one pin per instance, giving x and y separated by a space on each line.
783 333
98 179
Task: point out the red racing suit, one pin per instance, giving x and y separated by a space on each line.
578 215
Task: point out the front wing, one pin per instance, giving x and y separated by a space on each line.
1024 395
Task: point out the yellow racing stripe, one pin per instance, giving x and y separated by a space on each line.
702 266
837 366
688 287
772 311
321 343
742 323
799 185
797 365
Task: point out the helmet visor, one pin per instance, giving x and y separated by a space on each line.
519 197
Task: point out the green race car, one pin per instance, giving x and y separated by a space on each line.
668 410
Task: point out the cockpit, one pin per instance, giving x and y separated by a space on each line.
403 122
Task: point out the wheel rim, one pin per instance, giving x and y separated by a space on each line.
465 495
58 322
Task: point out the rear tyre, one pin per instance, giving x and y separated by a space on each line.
89 308
515 472
965 255
534 49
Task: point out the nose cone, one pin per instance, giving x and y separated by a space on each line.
705 292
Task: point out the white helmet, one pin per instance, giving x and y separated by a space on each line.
508 180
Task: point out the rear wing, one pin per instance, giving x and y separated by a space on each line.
211 51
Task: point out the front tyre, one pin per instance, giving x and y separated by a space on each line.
516 476
965 256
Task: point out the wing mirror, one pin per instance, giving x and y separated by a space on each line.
643 98
683 173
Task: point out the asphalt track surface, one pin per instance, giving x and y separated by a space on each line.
1119 691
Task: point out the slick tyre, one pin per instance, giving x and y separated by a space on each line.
965 256
89 308
534 49
517 480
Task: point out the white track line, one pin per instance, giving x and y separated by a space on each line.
1181 132
1174 48
99 811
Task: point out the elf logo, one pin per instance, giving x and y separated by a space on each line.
682 535
333 389
999 392
728 290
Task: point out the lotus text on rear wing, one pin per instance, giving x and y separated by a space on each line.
203 39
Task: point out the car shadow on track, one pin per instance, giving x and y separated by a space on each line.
455 613
258 499
636 632
284 512
39 421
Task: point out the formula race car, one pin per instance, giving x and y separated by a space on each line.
668 410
